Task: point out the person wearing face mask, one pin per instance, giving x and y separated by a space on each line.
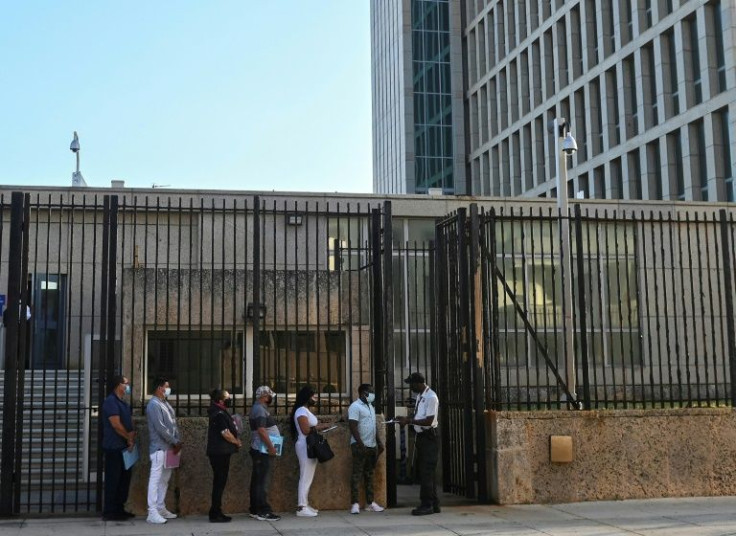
222 442
366 447
426 444
302 422
163 435
117 435
262 426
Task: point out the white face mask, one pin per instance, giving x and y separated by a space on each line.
167 391
370 398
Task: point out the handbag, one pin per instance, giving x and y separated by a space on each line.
318 447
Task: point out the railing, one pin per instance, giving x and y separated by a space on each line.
652 309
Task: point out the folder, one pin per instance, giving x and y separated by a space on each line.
172 459
278 444
130 456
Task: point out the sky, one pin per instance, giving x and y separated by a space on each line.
237 95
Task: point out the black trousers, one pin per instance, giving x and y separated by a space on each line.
427 449
220 468
117 483
259 483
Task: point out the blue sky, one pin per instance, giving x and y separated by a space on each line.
248 94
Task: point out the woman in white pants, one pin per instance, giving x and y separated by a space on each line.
302 421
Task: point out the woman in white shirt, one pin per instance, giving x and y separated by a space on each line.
302 422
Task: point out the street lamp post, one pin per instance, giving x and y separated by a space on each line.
565 146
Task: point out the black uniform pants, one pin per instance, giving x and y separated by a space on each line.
117 483
220 468
427 449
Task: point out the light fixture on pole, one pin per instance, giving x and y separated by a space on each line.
77 179
565 145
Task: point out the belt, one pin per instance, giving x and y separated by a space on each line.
430 431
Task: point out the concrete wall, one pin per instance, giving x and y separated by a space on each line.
191 485
623 454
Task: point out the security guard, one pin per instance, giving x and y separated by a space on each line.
426 444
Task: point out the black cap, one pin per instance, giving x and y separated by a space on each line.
414 377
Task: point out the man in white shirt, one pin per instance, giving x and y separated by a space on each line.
366 447
426 443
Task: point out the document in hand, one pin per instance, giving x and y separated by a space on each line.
172 459
130 456
278 443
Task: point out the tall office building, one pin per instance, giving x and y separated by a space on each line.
417 64
648 88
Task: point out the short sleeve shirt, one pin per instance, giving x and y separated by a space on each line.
365 415
427 404
304 412
261 418
111 407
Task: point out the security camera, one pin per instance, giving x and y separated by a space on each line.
569 145
74 147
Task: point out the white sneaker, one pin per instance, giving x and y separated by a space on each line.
313 509
166 514
355 509
306 511
155 518
374 507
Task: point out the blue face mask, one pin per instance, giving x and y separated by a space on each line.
370 397
127 389
167 391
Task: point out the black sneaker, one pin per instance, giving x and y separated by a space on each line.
271 517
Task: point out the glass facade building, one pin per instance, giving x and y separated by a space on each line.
433 140
418 139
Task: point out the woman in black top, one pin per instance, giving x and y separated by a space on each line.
222 442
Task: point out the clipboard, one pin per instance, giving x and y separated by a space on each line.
130 456
171 461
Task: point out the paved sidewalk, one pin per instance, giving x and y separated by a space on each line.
713 516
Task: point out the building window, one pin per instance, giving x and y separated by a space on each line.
348 243
724 164
528 256
651 81
432 95
672 80
196 361
632 104
719 45
702 168
674 165
692 28
654 170
291 359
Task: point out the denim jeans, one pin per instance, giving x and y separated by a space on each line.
259 480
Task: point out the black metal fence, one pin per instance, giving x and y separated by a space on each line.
652 316
231 292
237 291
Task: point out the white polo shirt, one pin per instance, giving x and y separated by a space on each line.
427 404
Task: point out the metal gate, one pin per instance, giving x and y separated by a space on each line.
208 291
461 375
60 285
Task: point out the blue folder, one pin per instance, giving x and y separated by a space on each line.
130 456
278 444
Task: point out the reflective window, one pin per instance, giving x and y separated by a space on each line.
432 95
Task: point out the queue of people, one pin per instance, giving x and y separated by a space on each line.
165 446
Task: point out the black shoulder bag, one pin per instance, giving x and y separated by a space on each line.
318 447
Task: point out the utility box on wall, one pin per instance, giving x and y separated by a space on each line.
560 449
